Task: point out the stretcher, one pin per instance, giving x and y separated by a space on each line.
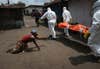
81 30
74 27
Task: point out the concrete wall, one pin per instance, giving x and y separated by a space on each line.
29 9
80 10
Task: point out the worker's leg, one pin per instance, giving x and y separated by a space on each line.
52 29
66 31
50 32
92 30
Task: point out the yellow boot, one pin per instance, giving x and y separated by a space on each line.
86 35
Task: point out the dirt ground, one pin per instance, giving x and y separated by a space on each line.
54 54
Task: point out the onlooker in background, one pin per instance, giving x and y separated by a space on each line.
51 17
37 15
66 18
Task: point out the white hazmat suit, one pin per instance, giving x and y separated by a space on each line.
51 17
94 38
66 18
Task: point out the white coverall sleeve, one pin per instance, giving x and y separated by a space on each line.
64 17
44 15
95 23
70 16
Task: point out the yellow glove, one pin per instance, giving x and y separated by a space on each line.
86 35
40 21
71 20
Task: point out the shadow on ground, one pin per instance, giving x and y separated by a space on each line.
74 45
81 59
12 51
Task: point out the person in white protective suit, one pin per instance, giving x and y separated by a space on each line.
66 18
51 17
94 38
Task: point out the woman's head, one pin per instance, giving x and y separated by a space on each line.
34 33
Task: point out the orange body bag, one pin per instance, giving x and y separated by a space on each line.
77 27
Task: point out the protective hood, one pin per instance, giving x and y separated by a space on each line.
64 8
48 9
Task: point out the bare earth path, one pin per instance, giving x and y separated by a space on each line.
54 54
